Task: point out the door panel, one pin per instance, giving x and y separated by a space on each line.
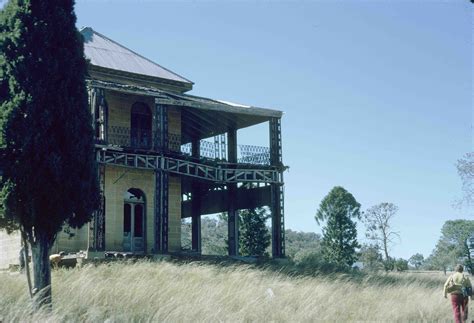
127 227
138 239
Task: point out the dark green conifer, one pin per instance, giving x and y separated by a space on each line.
340 234
254 235
49 173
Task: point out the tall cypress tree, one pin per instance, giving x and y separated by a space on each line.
340 234
254 237
49 173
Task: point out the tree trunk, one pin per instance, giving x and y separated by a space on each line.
42 273
26 256
385 248
469 264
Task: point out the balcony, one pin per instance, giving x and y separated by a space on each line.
128 137
211 151
246 154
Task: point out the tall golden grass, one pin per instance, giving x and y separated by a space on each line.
169 292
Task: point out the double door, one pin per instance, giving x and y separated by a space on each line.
133 227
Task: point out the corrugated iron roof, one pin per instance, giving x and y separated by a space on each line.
187 100
104 52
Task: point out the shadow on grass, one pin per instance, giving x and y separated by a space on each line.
319 269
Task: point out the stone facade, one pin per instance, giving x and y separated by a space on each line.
10 245
71 240
118 180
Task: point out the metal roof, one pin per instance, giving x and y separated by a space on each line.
201 117
104 52
187 100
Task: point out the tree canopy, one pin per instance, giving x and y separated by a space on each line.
416 260
465 167
370 256
339 242
254 236
452 246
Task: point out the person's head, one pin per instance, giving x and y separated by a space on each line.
459 268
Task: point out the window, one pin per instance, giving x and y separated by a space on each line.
140 126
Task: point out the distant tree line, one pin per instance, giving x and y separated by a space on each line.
338 247
214 239
452 247
254 235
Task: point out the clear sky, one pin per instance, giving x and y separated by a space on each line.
376 94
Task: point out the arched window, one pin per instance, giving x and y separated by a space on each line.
140 126
134 221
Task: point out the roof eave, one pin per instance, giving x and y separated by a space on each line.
181 86
186 100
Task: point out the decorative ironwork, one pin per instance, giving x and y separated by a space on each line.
214 173
208 150
174 142
157 247
281 192
186 149
161 211
196 197
277 210
275 142
129 137
161 127
277 195
233 222
220 147
99 224
101 115
164 210
246 154
256 155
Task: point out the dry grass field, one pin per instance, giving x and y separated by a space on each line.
148 291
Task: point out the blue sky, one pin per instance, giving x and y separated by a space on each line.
376 94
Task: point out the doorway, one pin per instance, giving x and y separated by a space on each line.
134 221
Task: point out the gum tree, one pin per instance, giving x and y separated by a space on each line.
378 221
49 174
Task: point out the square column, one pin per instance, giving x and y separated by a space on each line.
161 211
160 123
161 180
99 112
277 191
196 204
98 107
232 213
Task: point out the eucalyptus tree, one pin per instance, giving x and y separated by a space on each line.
465 168
378 220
